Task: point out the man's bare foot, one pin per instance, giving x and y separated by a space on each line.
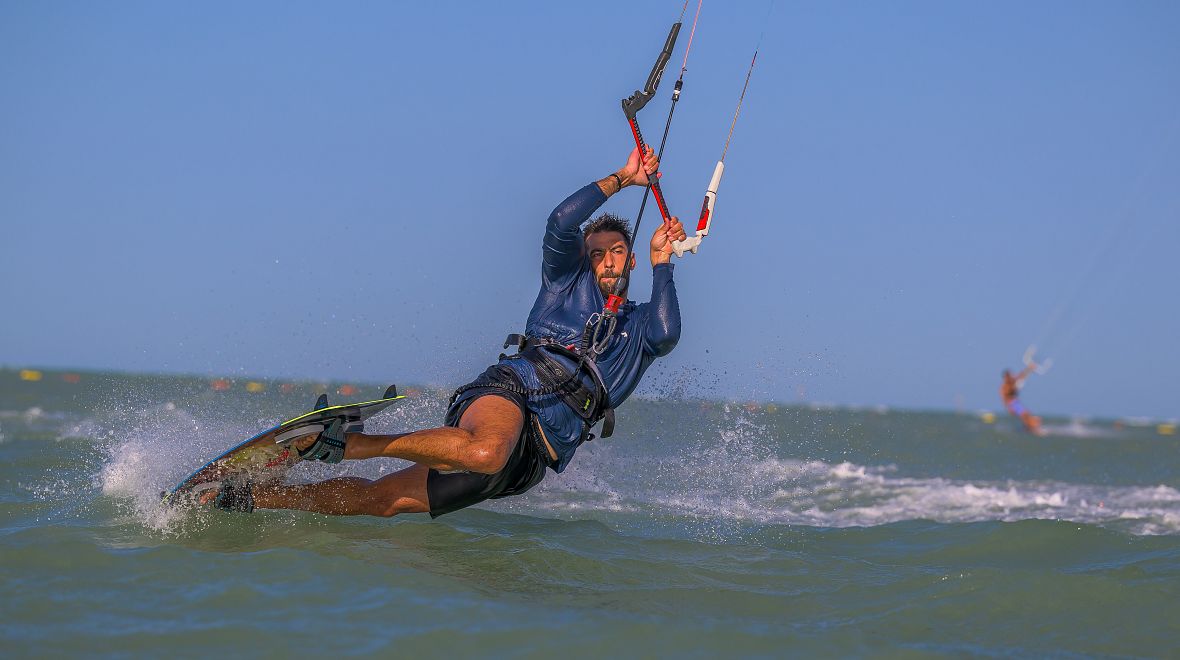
301 443
206 493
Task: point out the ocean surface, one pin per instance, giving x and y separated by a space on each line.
702 529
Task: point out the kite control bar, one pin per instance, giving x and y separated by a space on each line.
1041 368
634 103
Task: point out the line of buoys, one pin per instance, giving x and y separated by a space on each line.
34 375
1162 428
256 387
1168 428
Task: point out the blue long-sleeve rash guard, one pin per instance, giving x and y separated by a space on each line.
569 296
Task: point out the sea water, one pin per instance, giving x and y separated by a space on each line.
701 529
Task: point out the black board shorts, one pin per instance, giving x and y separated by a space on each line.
451 491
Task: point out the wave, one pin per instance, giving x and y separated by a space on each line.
818 494
738 474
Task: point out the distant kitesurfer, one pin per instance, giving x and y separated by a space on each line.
1010 392
532 410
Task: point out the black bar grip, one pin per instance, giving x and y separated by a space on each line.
657 71
634 103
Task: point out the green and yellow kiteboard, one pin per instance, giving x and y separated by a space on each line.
266 457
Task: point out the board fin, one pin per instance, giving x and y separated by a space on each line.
321 402
390 392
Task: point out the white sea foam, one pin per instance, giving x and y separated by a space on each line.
147 452
1077 428
734 475
847 495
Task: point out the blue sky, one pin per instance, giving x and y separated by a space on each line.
357 190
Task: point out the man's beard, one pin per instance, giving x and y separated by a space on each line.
608 287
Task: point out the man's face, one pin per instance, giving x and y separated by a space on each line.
607 250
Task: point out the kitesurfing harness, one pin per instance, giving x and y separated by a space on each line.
592 404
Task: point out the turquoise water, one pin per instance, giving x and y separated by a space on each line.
700 529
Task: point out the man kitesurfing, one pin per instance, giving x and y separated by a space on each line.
1010 391
531 410
584 351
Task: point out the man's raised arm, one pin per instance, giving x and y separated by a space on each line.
563 245
663 327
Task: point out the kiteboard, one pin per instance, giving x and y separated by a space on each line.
266 457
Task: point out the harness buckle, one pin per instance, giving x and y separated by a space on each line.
515 340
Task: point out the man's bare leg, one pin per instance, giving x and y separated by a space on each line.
403 491
486 436
1032 423
482 442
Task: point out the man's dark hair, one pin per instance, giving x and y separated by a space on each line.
608 222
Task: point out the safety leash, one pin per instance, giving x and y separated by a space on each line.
692 243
